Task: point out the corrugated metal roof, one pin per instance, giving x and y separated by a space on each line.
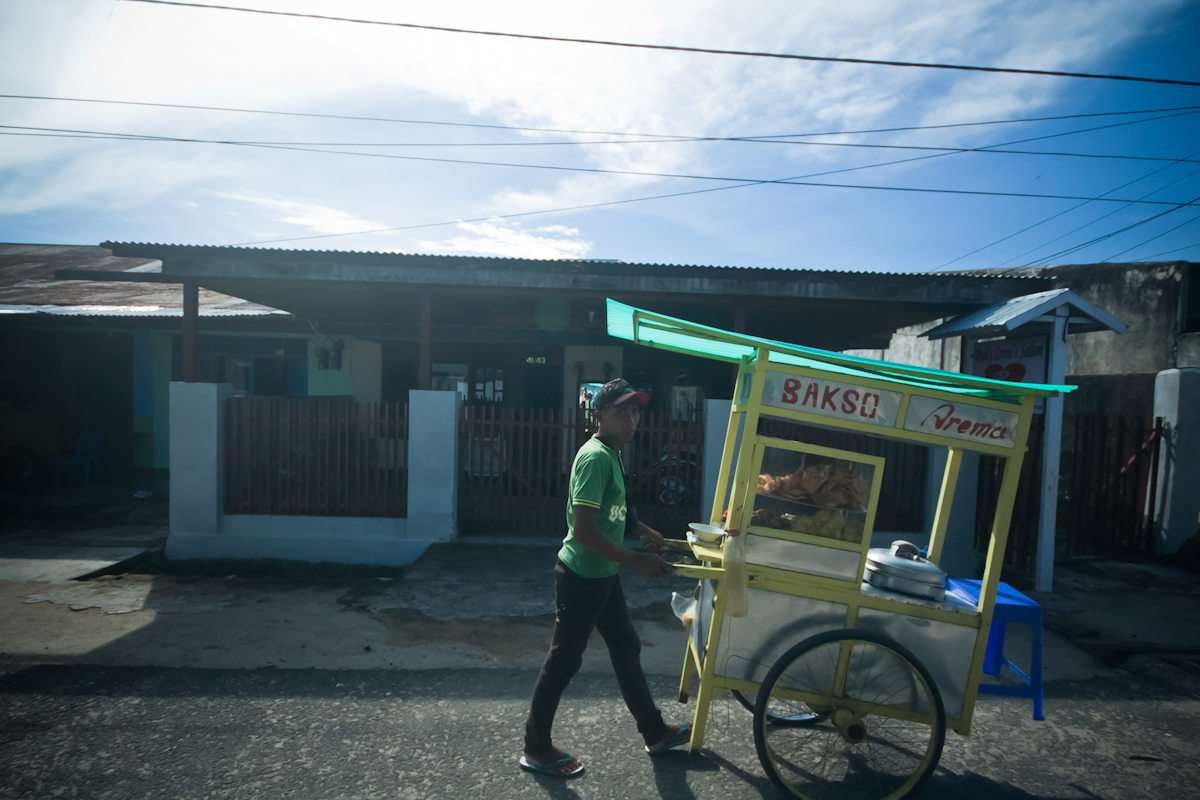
593 266
1005 317
28 285
130 311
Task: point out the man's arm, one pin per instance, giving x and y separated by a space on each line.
584 528
650 537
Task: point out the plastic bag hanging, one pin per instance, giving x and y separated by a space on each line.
737 604
684 607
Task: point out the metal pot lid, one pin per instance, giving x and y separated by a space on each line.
904 560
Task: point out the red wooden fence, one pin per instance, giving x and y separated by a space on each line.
316 456
1107 479
515 468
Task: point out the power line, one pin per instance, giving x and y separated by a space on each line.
662 196
1060 213
589 133
1152 238
638 173
1112 234
736 180
1175 250
1116 210
672 48
944 150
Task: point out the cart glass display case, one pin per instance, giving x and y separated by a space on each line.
813 508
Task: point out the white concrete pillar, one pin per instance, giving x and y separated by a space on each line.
1177 401
433 465
716 423
197 457
959 559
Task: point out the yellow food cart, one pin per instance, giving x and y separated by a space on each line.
852 682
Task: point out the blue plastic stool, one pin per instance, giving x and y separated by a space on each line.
1011 606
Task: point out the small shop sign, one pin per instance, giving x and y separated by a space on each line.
829 399
1020 360
958 420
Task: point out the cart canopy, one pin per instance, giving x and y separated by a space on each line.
680 336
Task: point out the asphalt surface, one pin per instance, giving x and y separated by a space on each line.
151 732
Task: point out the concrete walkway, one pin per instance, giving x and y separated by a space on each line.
462 605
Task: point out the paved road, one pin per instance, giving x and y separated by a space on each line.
151 732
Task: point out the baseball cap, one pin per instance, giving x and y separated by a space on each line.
618 391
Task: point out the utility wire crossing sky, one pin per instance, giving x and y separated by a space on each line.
159 121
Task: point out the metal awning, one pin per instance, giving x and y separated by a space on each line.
1032 313
681 336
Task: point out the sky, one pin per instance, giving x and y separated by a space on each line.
605 112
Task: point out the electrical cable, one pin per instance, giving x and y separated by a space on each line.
149 137
1152 238
589 133
1175 250
1112 234
602 171
1066 211
1116 210
660 197
673 48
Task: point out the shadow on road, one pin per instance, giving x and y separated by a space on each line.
945 785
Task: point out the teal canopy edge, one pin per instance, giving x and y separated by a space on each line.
652 329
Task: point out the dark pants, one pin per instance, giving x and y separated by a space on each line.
582 604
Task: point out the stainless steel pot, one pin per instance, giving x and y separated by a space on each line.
903 569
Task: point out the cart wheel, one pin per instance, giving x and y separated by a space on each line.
794 720
882 725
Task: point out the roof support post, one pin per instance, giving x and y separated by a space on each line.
425 358
191 332
1056 367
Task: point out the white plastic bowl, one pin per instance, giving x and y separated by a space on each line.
709 534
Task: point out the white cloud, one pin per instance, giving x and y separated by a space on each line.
318 219
101 49
509 239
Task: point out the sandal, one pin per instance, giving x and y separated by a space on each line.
681 735
555 769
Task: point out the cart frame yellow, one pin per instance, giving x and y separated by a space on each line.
986 416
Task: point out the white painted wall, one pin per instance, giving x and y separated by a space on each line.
433 465
329 382
366 370
200 529
197 456
360 373
1177 401
959 559
716 424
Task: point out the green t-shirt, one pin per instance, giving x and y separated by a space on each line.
598 481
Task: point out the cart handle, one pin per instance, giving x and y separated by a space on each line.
702 573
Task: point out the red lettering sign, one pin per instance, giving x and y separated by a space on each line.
848 402
945 421
811 393
869 401
789 391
